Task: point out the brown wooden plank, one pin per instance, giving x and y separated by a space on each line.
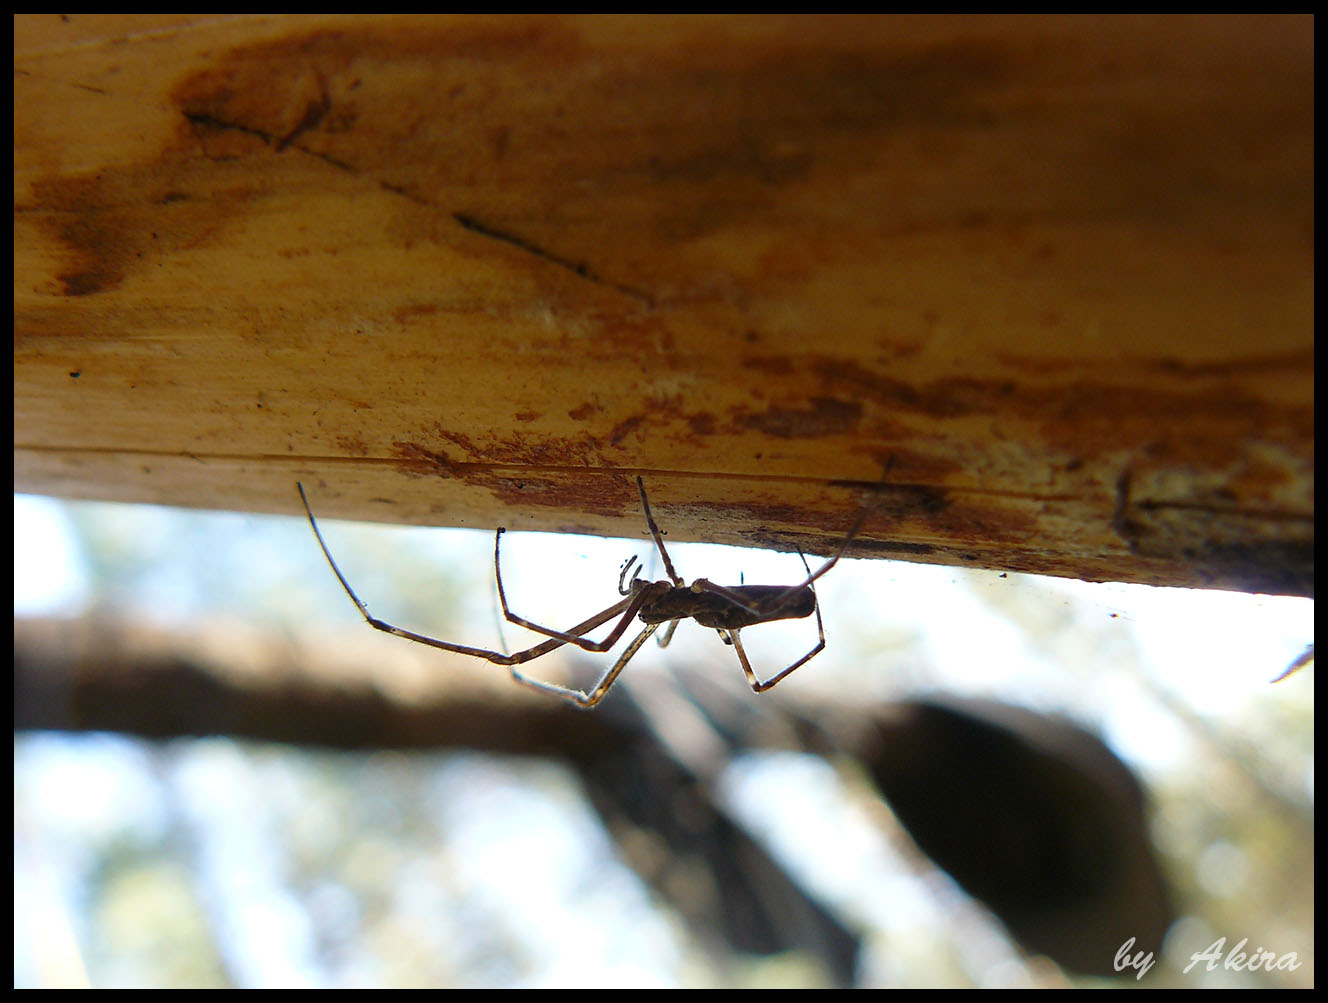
1054 273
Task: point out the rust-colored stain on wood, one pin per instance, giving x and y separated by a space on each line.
491 267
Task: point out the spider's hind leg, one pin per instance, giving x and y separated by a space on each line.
759 686
756 684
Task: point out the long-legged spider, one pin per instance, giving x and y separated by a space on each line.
728 609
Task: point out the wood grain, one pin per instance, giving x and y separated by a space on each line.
1048 279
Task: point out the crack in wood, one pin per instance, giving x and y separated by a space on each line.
278 143
579 268
317 111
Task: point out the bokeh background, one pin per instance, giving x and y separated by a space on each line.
212 861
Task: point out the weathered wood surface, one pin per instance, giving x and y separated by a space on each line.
1053 274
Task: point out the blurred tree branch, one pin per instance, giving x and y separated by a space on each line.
1029 813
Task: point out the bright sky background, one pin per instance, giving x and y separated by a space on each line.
1211 652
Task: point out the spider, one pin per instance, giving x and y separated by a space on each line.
727 609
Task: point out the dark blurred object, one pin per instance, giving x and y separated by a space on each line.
670 829
83 675
1030 814
1033 816
1305 658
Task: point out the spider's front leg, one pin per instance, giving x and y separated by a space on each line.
627 609
639 596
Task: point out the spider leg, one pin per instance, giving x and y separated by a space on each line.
853 531
580 697
632 604
735 597
757 685
655 534
664 639
628 608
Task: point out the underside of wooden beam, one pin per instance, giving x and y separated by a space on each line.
1040 290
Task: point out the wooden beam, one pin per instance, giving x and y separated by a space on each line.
1050 278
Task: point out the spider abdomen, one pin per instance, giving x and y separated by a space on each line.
742 606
